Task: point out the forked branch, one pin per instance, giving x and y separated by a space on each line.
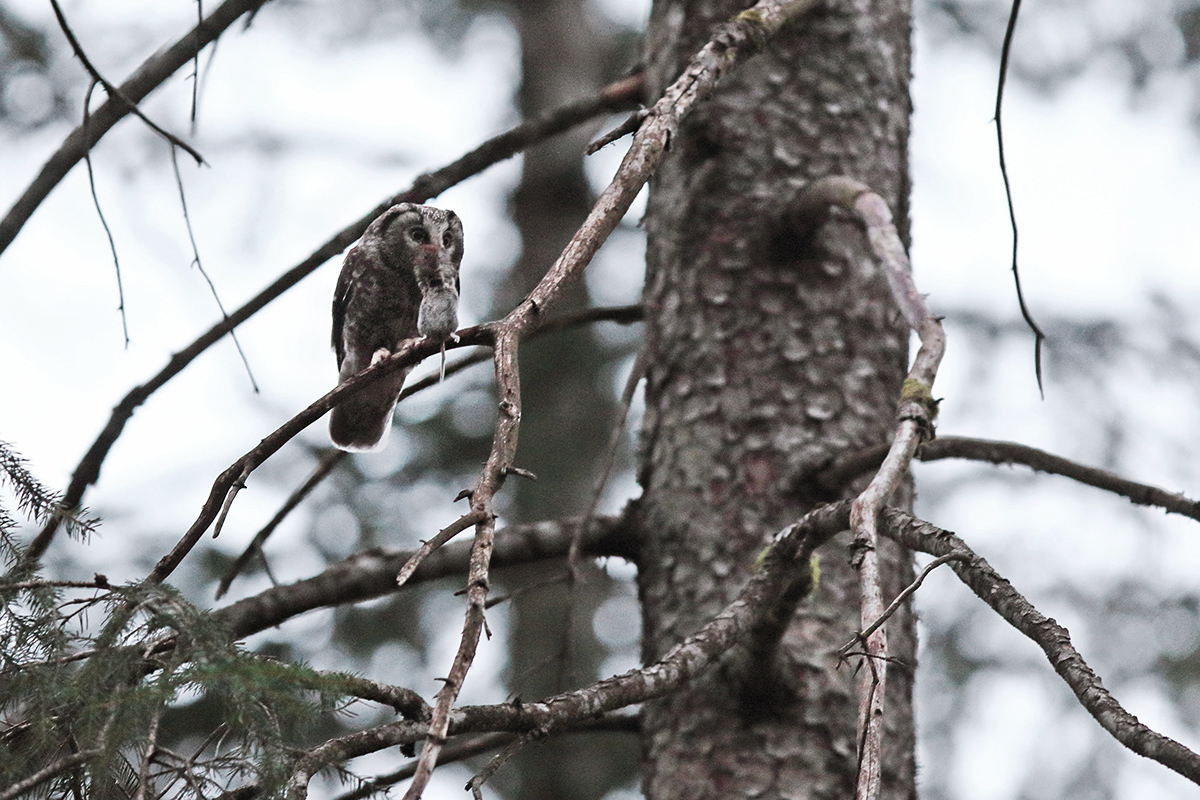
916 412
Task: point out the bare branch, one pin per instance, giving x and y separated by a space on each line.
615 96
894 606
329 460
790 547
621 314
733 42
145 79
113 91
212 287
229 482
373 573
446 534
1055 641
916 412
475 785
998 452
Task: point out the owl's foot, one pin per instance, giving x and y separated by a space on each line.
379 355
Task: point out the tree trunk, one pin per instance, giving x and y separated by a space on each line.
769 353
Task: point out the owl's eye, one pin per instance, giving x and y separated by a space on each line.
419 235
447 239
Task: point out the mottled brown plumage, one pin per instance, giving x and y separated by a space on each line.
399 282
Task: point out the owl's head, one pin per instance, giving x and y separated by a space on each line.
428 240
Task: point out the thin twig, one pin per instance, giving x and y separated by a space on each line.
899 601
112 245
114 91
145 79
212 288
521 591
325 466
636 374
196 71
630 124
455 751
1005 53
446 534
475 785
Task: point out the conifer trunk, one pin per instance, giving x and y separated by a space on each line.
768 355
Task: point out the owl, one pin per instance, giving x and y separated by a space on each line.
400 281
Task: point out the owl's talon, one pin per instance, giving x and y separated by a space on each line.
379 355
456 338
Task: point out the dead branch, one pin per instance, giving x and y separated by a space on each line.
790 547
1054 640
733 42
146 78
371 574
229 482
916 413
614 96
998 452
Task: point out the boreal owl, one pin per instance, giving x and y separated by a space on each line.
400 281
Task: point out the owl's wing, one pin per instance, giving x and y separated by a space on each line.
351 268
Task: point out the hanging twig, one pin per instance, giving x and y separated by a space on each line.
112 245
212 288
114 91
1005 53
145 79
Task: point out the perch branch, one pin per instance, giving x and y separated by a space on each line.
228 482
616 95
732 43
620 314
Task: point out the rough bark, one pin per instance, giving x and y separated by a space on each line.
769 354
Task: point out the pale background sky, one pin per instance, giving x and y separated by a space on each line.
307 125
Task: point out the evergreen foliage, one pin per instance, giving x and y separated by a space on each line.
91 675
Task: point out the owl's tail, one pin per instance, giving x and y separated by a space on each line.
362 422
